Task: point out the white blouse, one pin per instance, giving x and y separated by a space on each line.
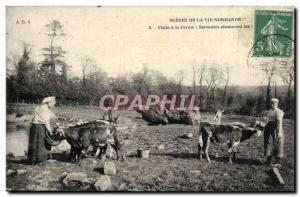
43 115
276 115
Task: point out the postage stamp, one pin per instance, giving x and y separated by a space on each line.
273 32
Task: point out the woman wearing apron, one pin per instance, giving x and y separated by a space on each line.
38 150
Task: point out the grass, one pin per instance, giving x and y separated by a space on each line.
174 168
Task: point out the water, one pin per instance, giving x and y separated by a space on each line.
17 138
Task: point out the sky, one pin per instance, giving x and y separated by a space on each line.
119 40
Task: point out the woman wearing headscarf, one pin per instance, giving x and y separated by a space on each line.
38 150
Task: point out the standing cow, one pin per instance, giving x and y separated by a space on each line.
93 134
231 134
218 117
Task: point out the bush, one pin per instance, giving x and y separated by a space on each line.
248 108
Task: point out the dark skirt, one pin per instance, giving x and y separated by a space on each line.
273 145
38 150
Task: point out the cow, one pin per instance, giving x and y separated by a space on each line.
102 137
218 116
155 116
230 134
90 135
152 117
180 117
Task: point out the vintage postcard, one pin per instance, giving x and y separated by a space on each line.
150 99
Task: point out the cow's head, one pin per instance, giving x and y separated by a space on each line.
259 125
58 131
99 135
84 137
100 132
258 132
195 116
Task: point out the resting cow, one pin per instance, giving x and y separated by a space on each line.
152 117
231 134
179 117
94 134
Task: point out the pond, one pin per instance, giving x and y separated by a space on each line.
17 136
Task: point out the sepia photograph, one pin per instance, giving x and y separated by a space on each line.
150 99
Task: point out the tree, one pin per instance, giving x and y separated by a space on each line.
84 64
180 75
286 72
23 73
54 54
64 72
11 72
260 99
121 84
94 82
158 80
144 81
97 86
226 84
194 71
202 75
270 71
148 79
53 69
229 101
11 65
247 107
213 80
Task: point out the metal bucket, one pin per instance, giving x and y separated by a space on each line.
143 153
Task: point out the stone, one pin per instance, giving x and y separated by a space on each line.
94 161
160 147
110 152
74 176
109 168
103 183
10 172
278 175
20 172
225 174
188 135
122 187
126 142
46 173
195 171
90 181
62 176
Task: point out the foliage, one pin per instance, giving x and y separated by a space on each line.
33 80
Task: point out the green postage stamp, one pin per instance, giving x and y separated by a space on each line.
273 33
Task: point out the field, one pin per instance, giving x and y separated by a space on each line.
172 167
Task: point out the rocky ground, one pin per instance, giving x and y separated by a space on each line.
172 164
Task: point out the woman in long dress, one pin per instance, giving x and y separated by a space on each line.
38 150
